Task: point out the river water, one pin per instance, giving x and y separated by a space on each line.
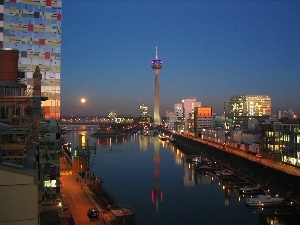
153 176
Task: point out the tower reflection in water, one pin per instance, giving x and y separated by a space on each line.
156 193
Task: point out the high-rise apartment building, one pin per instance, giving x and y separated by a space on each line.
250 105
34 29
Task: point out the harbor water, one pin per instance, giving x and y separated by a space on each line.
154 177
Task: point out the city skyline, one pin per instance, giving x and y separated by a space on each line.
211 50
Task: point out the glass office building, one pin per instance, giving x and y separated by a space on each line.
33 27
250 105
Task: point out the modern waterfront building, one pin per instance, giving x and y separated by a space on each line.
156 65
189 105
203 118
281 141
33 28
250 105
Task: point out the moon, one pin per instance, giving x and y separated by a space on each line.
82 100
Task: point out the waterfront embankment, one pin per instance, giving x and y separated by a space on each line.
276 176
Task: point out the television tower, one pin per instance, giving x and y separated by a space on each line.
156 65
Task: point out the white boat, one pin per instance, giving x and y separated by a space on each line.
193 159
250 190
264 200
196 159
163 137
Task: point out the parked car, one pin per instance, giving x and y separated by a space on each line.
93 213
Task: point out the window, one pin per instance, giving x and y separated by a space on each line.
16 111
4 112
28 111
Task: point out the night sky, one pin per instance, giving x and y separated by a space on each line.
210 50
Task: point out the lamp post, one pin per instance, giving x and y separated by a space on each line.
81 175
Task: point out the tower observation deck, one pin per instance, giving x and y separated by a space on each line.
156 65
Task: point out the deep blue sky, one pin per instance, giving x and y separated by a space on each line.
210 50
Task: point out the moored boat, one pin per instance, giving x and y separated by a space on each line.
250 190
65 129
163 137
264 200
119 214
225 172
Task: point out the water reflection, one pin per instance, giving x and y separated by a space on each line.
179 194
156 193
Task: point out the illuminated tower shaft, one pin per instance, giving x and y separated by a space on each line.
156 66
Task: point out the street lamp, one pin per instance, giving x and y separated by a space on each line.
81 175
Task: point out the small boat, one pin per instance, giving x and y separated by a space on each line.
194 159
247 190
163 137
225 173
65 129
119 214
250 190
264 200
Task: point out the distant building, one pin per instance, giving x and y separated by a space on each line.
143 112
170 120
112 114
189 105
203 118
219 121
250 105
178 110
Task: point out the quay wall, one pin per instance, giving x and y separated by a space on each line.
276 181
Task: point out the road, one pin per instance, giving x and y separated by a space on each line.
75 196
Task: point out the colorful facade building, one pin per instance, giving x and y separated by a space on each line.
33 28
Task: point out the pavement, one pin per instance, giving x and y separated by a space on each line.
76 196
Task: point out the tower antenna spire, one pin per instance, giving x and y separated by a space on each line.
156 53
